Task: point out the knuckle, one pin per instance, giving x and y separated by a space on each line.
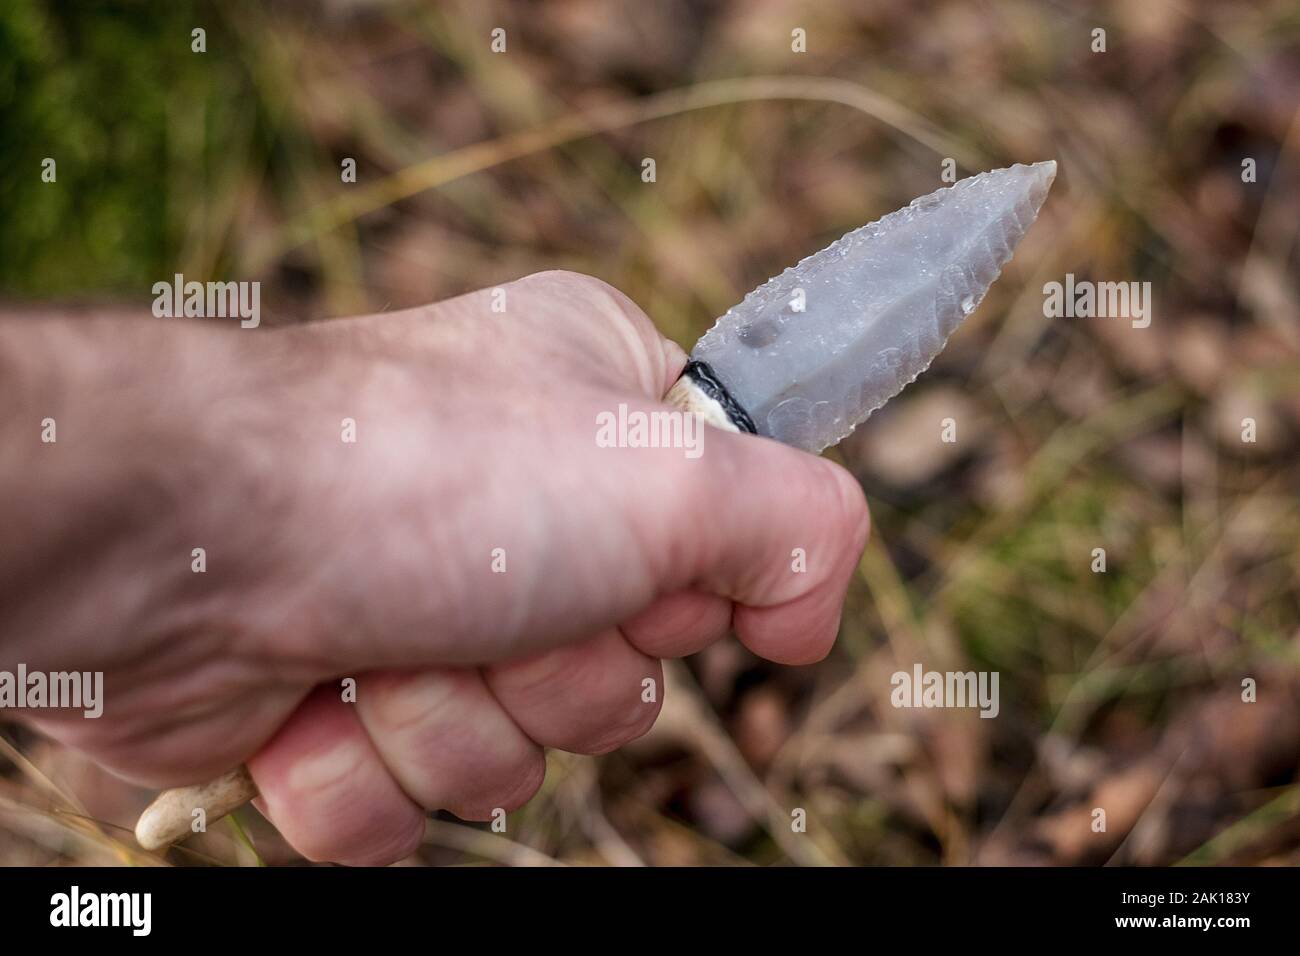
580 282
595 294
518 784
627 723
618 334
573 284
399 704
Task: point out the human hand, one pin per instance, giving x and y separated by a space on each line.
374 559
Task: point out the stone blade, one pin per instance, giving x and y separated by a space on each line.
813 352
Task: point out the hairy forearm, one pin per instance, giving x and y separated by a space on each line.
119 440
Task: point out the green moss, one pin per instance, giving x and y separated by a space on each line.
115 96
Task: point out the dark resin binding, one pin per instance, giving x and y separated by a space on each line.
702 375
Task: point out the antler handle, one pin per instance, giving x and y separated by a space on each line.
171 815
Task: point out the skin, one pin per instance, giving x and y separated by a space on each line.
475 430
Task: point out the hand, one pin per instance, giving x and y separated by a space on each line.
475 430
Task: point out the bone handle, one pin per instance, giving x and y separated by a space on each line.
169 817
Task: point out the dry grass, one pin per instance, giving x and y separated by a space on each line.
1119 690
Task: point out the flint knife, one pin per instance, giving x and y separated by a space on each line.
807 356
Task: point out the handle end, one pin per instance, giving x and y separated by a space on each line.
171 815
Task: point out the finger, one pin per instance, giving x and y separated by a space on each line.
790 589
800 631
588 698
679 624
772 528
447 741
324 787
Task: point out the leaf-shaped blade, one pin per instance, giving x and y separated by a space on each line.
813 352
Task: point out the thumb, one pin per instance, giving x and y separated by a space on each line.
774 529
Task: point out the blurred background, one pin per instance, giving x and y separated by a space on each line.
1120 690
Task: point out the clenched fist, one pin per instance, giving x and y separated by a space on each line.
415 500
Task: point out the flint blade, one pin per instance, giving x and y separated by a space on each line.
811 353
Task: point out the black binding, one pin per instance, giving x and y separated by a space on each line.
703 376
